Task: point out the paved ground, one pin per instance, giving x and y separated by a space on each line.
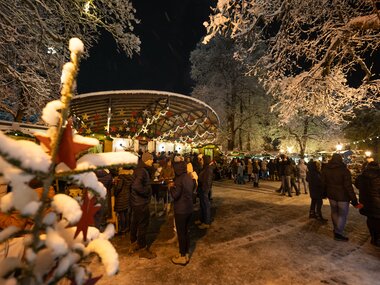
257 237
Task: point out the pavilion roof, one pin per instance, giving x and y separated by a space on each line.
145 114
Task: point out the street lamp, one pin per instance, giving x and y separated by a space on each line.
339 147
290 149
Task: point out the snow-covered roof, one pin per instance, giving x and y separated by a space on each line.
150 113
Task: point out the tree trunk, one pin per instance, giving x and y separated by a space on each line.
231 107
304 138
19 115
248 141
240 124
231 130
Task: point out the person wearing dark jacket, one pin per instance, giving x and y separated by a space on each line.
368 184
313 177
122 195
104 176
336 182
182 194
141 193
290 177
281 173
204 187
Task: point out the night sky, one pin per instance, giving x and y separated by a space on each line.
169 31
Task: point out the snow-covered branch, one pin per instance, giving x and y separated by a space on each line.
322 51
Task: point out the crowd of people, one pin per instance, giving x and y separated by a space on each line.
130 191
328 179
186 178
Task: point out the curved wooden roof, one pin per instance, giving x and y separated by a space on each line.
145 114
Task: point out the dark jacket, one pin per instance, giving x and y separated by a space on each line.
368 184
141 190
182 193
336 181
281 167
123 191
313 177
206 176
105 178
290 169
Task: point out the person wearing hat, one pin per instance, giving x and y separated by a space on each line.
141 193
205 183
182 194
368 183
337 183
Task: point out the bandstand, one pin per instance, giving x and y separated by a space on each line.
144 119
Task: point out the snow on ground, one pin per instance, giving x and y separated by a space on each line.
257 237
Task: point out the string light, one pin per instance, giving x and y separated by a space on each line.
365 140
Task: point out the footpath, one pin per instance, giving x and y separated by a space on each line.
257 237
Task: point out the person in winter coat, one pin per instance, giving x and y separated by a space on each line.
255 173
182 194
167 172
271 169
281 165
249 169
290 177
313 176
368 184
240 174
264 169
301 175
194 177
234 169
122 195
104 176
336 182
204 187
141 193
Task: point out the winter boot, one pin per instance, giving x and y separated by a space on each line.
312 215
147 254
203 226
340 237
134 248
180 260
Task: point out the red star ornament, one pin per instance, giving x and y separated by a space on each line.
68 149
87 219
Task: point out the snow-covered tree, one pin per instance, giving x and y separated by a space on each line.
238 99
33 37
363 131
61 237
319 54
306 134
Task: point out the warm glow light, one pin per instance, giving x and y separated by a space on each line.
51 50
289 149
368 153
86 7
339 147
